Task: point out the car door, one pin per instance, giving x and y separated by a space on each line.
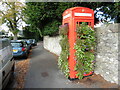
9 50
4 53
6 59
0 64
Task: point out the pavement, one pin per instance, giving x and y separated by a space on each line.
44 73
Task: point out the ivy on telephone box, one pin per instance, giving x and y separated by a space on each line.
77 43
63 58
85 50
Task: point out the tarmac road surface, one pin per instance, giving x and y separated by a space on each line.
44 73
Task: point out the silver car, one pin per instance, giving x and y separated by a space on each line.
6 62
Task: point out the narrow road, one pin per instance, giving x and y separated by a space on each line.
44 73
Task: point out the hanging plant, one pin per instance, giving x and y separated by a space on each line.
63 58
85 45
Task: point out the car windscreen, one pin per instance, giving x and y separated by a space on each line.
33 40
28 41
16 44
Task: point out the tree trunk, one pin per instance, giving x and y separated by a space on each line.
15 37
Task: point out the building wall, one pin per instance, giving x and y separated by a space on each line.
106 51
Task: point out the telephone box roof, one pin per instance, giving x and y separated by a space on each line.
79 11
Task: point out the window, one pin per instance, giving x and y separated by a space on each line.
16 44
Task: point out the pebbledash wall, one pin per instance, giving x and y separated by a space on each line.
52 44
106 51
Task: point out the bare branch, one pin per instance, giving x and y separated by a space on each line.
18 19
11 25
8 4
2 13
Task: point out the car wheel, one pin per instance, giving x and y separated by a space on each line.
26 56
31 47
28 51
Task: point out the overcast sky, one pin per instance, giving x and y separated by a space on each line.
4 26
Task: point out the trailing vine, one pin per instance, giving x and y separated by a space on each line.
63 58
85 44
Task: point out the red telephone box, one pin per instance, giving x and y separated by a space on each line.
72 17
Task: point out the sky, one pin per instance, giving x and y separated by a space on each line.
4 26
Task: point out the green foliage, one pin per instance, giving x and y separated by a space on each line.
42 15
63 29
29 34
45 16
111 10
51 28
63 58
84 46
15 31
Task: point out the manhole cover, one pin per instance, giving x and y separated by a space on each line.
44 74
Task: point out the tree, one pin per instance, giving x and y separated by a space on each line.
30 34
12 16
110 10
45 16
42 16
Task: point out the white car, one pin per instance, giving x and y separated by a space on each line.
6 62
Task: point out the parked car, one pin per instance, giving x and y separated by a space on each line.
20 48
28 43
34 42
7 62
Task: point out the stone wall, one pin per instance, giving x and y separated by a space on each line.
52 44
107 51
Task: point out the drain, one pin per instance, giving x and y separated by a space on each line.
44 74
